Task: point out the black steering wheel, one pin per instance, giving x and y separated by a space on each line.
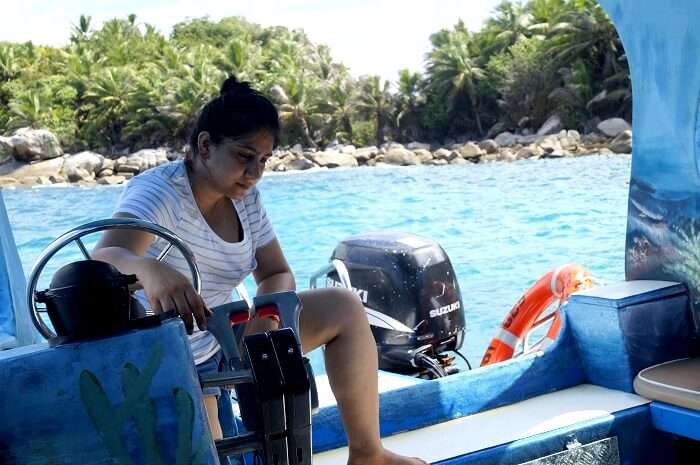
76 234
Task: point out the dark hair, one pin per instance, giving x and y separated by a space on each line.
238 111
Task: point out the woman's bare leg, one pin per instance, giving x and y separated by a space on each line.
212 408
336 318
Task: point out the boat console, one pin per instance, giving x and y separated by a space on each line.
135 397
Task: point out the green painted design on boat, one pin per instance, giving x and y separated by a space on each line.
110 420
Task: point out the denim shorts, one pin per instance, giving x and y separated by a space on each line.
217 364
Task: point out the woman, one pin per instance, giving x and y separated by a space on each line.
210 201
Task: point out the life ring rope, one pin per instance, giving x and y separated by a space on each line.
546 317
554 288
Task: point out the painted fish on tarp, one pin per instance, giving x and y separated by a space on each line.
663 230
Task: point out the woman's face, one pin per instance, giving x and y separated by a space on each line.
235 166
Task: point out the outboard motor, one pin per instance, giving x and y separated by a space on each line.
411 295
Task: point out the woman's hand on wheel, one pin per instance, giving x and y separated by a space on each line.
167 289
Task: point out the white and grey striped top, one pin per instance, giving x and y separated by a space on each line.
163 195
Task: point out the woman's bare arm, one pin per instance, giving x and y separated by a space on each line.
273 273
165 288
123 248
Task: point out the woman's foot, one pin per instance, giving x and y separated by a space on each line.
384 457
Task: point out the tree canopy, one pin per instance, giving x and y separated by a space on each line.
127 86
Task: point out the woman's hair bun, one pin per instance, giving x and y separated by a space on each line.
238 111
233 86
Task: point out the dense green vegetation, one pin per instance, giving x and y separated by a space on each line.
126 86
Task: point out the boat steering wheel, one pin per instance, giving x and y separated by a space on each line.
76 234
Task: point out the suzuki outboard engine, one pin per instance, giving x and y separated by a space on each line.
411 295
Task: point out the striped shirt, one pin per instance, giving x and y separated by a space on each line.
163 195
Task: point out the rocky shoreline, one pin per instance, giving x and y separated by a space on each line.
33 157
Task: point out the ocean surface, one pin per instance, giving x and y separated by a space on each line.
503 225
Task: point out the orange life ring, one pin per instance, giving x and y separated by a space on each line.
557 284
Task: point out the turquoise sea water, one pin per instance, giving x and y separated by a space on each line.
502 224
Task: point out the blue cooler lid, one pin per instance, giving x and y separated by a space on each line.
626 293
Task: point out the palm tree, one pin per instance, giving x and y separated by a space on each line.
292 63
119 41
27 109
81 30
149 123
172 60
323 66
407 101
512 22
9 65
283 59
301 107
109 97
242 58
340 105
79 64
375 102
546 13
453 73
202 31
587 33
190 87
